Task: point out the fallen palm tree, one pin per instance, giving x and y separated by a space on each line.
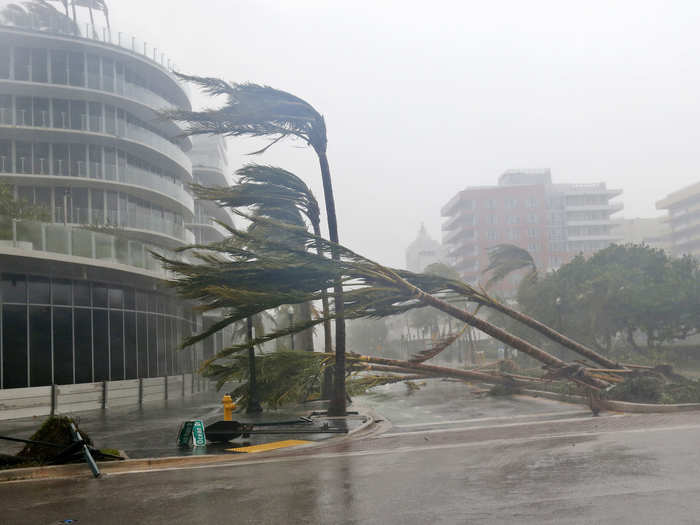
250 273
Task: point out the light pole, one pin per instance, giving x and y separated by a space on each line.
253 403
290 312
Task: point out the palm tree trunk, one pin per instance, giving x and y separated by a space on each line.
327 384
75 15
337 405
491 329
555 336
92 22
305 338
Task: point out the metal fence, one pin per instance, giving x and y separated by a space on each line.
64 399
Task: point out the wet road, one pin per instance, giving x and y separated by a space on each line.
448 458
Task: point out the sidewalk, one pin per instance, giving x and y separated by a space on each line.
150 431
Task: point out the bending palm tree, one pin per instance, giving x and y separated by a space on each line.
269 273
277 194
507 258
261 111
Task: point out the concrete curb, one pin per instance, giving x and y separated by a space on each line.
617 406
80 470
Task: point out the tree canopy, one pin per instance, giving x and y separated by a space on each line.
630 292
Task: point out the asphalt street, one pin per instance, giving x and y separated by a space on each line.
442 456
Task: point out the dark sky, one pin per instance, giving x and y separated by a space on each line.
425 98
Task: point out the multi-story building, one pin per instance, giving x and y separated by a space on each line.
423 251
683 208
81 136
652 231
210 168
554 222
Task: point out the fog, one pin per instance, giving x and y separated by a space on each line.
424 99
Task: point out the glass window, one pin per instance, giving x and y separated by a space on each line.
142 349
129 299
79 202
62 291
14 342
40 158
101 344
59 67
130 345
78 115
22 63
23 157
4 61
99 296
61 114
152 345
107 74
81 293
110 120
5 109
23 111
116 347
62 346
40 110
98 206
39 65
95 109
77 69
78 160
5 154
93 69
95 161
83 345
116 297
39 292
110 164
13 288
40 345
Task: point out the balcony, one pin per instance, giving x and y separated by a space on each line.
109 38
40 239
612 207
28 171
95 126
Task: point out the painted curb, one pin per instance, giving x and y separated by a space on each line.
80 470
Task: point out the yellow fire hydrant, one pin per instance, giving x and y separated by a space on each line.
229 407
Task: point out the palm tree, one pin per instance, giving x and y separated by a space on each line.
261 111
269 273
277 194
505 259
38 14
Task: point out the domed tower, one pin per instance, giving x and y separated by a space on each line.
81 139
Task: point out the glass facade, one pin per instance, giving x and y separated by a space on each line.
62 331
80 69
93 117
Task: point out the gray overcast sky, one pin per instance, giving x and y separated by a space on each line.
424 98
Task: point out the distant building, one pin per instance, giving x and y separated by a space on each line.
423 251
652 231
683 208
554 222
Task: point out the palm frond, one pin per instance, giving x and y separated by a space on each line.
505 259
253 110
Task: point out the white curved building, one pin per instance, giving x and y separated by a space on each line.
80 135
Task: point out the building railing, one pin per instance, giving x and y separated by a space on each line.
80 242
105 35
96 124
96 170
